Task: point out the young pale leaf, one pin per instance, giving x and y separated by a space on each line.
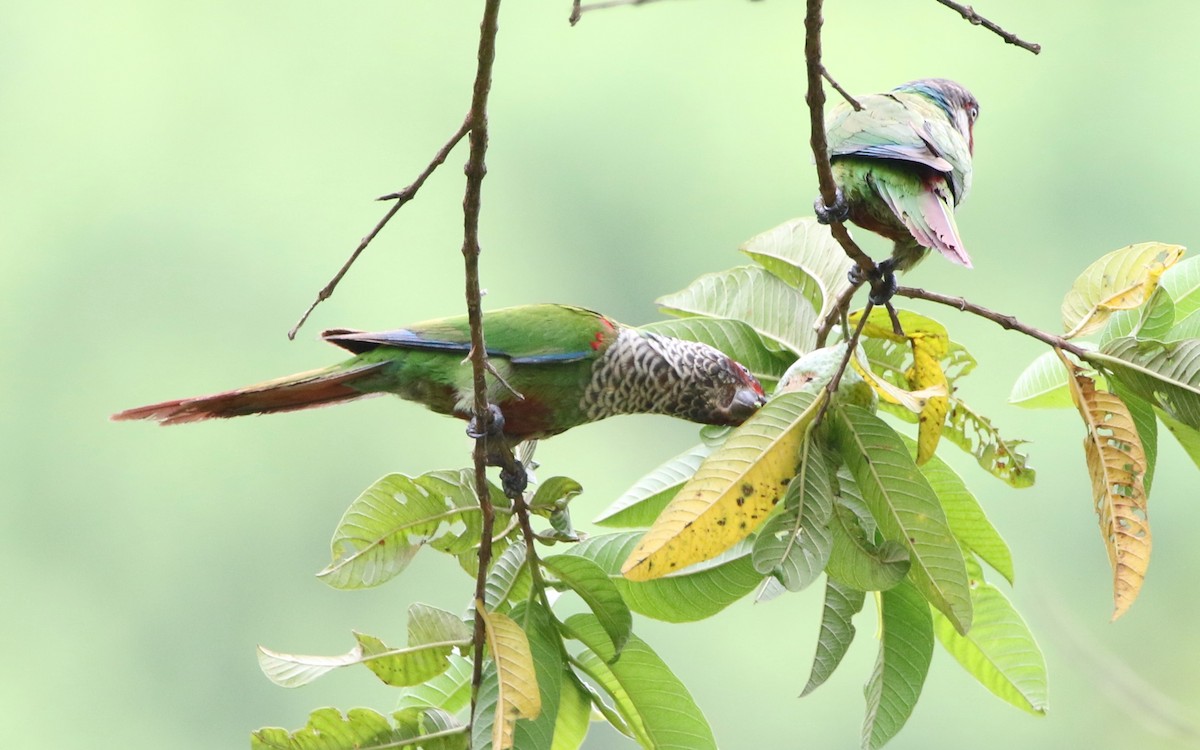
1117 465
1182 282
1120 280
795 544
842 603
855 561
294 670
905 651
574 715
1167 374
645 500
697 593
328 729
1042 385
752 295
803 253
906 509
517 687
999 652
765 357
649 697
450 691
545 644
732 492
1150 321
975 434
968 522
598 591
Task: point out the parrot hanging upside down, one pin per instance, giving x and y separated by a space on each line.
902 163
570 366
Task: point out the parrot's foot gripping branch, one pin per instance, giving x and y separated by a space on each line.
882 281
838 212
493 428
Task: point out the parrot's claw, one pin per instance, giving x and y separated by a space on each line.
493 428
514 480
838 212
883 286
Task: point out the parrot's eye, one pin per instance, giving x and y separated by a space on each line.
973 112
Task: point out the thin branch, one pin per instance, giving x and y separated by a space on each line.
820 148
1004 321
840 306
967 12
401 197
578 9
838 88
475 170
832 386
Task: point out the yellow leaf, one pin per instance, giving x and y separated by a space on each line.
916 400
519 696
1117 464
732 492
926 372
1121 280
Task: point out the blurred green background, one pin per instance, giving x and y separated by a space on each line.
178 180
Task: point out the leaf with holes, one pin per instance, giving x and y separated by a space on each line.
732 492
329 729
1117 464
1120 280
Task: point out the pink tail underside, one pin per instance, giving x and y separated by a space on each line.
930 219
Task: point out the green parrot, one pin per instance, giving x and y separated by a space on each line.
902 164
568 366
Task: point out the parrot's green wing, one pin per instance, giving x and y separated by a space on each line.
526 334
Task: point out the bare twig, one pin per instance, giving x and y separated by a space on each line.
578 9
832 386
838 88
820 148
401 197
1004 321
840 306
967 12
475 170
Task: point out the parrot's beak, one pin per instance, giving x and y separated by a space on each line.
745 402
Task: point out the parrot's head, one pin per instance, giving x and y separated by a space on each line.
736 394
959 104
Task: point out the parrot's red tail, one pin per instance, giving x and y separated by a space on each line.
303 391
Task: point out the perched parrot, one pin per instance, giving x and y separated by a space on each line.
570 366
902 163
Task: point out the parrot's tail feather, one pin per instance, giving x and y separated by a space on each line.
303 391
929 217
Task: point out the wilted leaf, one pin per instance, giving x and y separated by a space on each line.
1117 465
518 697
732 492
1120 280
754 296
926 372
999 457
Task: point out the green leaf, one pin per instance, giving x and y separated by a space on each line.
905 508
512 691
642 502
1146 424
855 561
650 698
329 729
1188 438
842 603
999 651
1187 328
905 651
574 715
458 488
450 691
508 581
1182 282
554 494
1042 385
1167 374
699 592
433 729
752 295
803 253
765 357
545 644
597 590
968 522
795 544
